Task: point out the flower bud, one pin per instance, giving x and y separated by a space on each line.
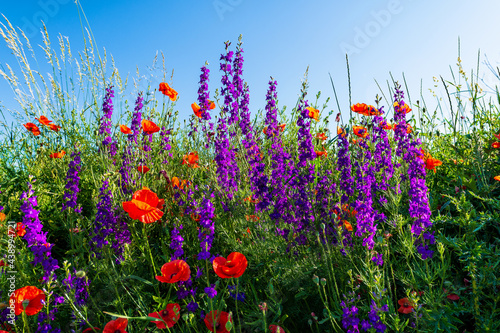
316 279
323 282
80 274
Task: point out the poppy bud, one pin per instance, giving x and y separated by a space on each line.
80 274
323 282
315 279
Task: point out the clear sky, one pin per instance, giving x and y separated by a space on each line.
280 39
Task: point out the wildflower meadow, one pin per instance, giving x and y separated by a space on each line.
117 217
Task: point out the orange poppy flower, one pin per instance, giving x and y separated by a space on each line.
32 128
2 217
313 113
43 120
366 110
144 206
54 127
116 326
191 159
495 145
321 153
170 315
497 178
218 319
166 90
281 127
58 155
196 109
409 129
149 127
431 163
401 108
360 131
27 299
234 266
276 329
347 225
341 132
321 136
405 306
174 271
142 169
125 130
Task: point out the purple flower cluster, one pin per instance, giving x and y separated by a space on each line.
237 296
136 119
105 219
350 321
36 238
105 122
73 180
382 155
79 285
374 319
364 204
419 202
207 227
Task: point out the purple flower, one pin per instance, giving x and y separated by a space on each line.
35 237
377 259
210 291
105 121
70 194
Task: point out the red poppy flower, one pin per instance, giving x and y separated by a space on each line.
495 145
431 163
313 113
149 127
234 266
144 206
253 218
125 130
170 316
174 271
453 297
43 120
409 129
90 330
30 295
58 155
166 90
2 263
321 136
276 329
405 306
20 230
321 153
32 128
497 136
191 159
142 169
218 319
54 127
116 326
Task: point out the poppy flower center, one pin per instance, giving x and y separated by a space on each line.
164 313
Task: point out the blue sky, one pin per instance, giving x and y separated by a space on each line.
280 39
